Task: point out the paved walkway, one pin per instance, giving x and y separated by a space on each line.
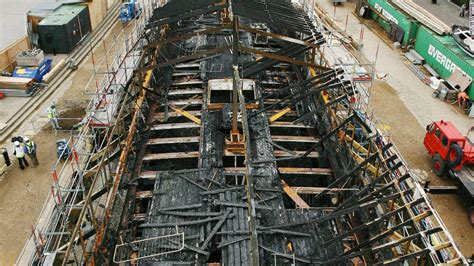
13 19
11 106
444 10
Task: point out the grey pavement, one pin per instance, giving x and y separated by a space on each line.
10 106
13 19
444 11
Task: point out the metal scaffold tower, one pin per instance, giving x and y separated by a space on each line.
74 211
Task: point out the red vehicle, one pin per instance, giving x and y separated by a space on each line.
449 148
453 155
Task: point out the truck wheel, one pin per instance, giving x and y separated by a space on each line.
454 156
439 165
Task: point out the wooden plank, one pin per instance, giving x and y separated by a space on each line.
289 125
187 65
189 82
187 115
304 171
219 106
160 116
278 115
370 167
139 217
15 83
185 102
175 140
185 92
149 174
398 237
290 113
280 153
215 229
144 194
170 155
294 196
175 126
304 139
285 170
316 190
152 174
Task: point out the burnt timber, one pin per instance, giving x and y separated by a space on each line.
244 150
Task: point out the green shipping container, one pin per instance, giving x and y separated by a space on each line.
62 30
443 55
407 24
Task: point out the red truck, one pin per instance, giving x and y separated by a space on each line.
453 156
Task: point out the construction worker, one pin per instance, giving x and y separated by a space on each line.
19 153
462 13
53 115
30 149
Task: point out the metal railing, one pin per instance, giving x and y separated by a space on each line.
149 247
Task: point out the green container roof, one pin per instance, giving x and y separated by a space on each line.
63 14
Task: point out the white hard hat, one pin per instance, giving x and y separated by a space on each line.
26 139
17 143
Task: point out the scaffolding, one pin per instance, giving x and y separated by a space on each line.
74 209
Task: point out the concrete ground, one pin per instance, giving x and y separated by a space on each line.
23 193
405 106
445 11
12 14
10 106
